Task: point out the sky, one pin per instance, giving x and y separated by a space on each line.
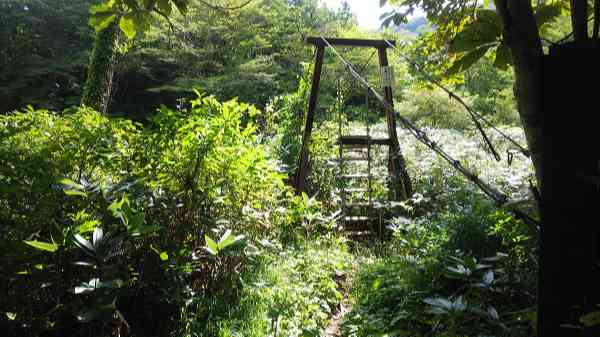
367 11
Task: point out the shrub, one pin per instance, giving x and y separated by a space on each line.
435 109
187 173
293 295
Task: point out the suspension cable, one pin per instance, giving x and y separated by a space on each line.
497 196
474 114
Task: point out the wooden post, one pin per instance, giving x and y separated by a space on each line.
303 159
397 166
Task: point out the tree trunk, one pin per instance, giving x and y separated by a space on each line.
521 34
98 86
596 29
579 14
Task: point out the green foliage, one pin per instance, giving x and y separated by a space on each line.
435 109
388 299
455 265
45 246
132 15
485 29
293 294
253 53
186 174
44 52
473 28
226 243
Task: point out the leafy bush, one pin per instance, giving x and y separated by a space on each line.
190 172
435 109
286 123
457 265
294 294
38 148
388 298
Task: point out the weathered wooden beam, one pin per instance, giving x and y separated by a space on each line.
362 141
303 159
402 182
318 41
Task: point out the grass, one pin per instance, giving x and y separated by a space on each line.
294 292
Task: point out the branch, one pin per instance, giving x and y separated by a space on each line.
166 17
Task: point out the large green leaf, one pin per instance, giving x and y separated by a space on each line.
211 245
102 15
486 29
72 188
468 60
226 239
503 57
84 245
45 246
127 23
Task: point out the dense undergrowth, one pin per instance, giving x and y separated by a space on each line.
113 227
456 265
294 292
185 227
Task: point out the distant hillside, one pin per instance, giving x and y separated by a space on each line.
414 26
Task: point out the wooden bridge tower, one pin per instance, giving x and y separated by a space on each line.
401 184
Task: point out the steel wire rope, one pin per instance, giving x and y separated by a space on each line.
470 110
498 197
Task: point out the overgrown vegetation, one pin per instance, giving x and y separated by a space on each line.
169 212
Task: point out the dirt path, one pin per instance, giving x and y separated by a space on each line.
344 282
334 328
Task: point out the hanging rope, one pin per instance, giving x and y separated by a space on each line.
498 197
474 114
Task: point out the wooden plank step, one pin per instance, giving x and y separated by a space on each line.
356 176
355 190
360 235
353 159
358 226
363 176
358 219
362 204
363 140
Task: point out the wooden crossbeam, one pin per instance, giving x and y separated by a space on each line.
363 141
317 41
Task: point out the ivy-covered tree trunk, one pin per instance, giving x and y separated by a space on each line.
98 86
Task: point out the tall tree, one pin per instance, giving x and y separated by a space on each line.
513 29
131 17
98 85
108 18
